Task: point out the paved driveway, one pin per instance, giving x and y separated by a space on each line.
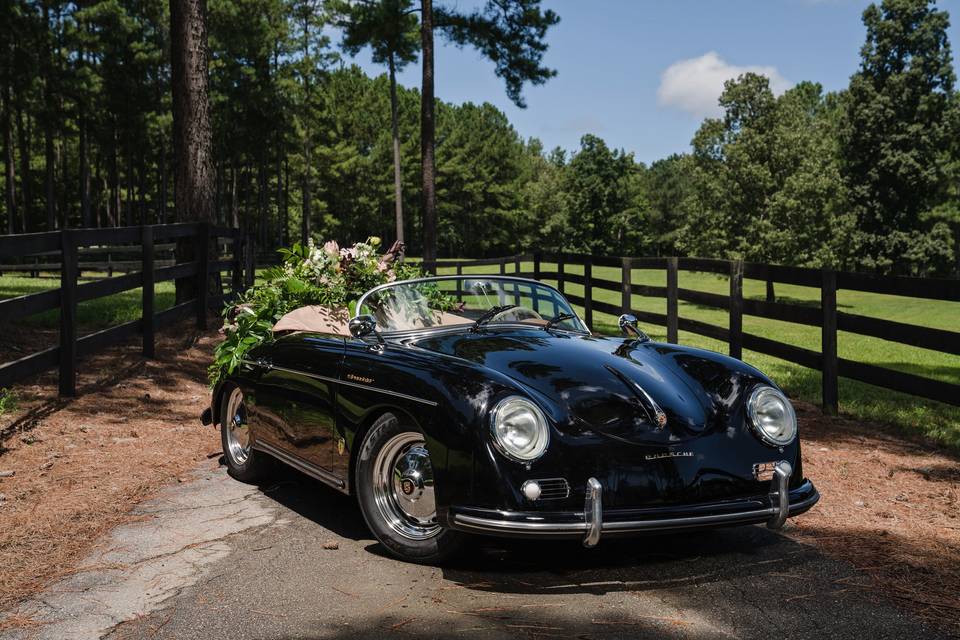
218 559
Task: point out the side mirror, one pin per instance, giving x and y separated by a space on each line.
362 326
628 324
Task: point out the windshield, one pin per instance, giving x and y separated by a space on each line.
465 300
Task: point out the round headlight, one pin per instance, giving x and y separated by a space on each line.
772 416
519 429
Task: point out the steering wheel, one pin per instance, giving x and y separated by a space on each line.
518 314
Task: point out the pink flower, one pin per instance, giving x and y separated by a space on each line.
331 248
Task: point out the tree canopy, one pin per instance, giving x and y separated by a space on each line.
863 178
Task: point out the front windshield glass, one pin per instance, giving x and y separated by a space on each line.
464 300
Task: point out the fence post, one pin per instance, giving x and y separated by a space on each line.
250 268
503 266
830 365
236 270
736 309
516 264
203 275
626 291
673 317
146 271
459 282
560 262
588 291
68 314
537 257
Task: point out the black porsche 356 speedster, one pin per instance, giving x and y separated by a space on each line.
504 416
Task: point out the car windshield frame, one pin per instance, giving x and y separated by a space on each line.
577 321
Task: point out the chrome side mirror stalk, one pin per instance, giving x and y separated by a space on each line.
364 326
628 325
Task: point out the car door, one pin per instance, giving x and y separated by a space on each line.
296 398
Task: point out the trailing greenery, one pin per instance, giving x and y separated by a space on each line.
309 275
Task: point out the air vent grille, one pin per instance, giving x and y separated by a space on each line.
554 489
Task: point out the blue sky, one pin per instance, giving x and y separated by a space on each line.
642 74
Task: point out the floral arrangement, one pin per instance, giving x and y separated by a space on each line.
309 275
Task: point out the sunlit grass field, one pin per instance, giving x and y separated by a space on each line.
857 400
92 315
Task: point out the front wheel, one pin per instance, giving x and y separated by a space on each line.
395 489
243 463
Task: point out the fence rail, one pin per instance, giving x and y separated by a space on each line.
65 247
826 316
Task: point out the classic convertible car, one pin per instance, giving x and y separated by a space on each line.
483 405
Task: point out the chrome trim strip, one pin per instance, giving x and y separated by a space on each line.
301 465
546 528
780 494
593 512
344 382
571 529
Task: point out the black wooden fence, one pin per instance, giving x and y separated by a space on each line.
64 245
826 316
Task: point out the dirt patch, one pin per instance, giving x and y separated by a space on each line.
889 506
81 464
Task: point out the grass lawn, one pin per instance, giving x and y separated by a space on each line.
857 400
92 315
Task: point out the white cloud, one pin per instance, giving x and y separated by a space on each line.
694 85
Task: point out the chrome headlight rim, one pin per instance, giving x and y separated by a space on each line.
542 442
754 419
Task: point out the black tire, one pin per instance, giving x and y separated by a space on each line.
423 543
245 464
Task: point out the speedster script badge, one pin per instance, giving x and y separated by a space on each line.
668 454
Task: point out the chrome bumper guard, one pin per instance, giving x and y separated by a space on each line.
593 525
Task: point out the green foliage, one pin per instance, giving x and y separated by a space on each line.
8 401
866 178
309 275
898 136
510 33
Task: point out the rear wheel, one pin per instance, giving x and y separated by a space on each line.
395 489
243 463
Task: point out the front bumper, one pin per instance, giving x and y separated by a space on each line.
594 521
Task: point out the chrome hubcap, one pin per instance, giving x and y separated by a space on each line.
238 434
403 487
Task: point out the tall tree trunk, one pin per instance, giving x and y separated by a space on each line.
10 175
278 169
397 185
234 207
261 203
85 217
48 120
192 133
305 191
113 206
285 211
162 173
142 184
427 133
23 141
131 190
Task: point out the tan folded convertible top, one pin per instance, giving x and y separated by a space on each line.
316 318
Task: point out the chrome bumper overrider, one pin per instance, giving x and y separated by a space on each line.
593 524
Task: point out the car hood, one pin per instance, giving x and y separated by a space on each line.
615 386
